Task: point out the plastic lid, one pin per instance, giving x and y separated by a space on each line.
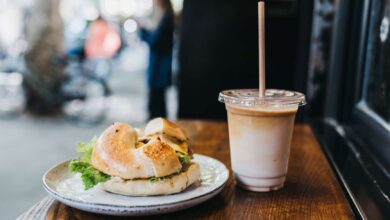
250 98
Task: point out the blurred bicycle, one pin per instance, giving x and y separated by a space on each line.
85 90
88 70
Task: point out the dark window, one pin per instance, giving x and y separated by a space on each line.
355 133
376 86
370 118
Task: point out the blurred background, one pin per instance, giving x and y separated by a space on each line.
70 68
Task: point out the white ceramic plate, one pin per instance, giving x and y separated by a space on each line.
68 188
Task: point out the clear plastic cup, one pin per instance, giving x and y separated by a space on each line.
260 132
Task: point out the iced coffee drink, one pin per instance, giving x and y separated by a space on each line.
260 132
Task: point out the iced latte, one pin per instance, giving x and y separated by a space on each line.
260 132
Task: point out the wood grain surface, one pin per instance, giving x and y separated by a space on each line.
311 190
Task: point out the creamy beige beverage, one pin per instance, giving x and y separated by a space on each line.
260 146
260 132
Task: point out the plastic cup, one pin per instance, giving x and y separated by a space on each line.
260 132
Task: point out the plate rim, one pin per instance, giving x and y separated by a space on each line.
55 194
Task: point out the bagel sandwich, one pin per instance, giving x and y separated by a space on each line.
155 160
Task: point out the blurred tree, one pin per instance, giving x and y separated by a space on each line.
44 58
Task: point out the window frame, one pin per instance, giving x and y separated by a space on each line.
348 65
356 117
361 140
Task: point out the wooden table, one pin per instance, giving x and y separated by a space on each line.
311 190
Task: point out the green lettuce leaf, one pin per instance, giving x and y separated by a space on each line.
86 149
154 179
184 159
89 175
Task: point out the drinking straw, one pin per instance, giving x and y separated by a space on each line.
261 24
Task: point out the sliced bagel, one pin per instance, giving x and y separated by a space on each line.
116 155
145 187
168 132
163 158
164 126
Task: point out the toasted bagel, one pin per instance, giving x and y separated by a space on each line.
164 126
168 132
145 187
116 155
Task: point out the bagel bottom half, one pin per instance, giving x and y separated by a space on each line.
145 187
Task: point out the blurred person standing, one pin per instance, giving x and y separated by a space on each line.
103 40
157 32
102 44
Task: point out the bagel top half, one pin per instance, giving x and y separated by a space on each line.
116 154
168 132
